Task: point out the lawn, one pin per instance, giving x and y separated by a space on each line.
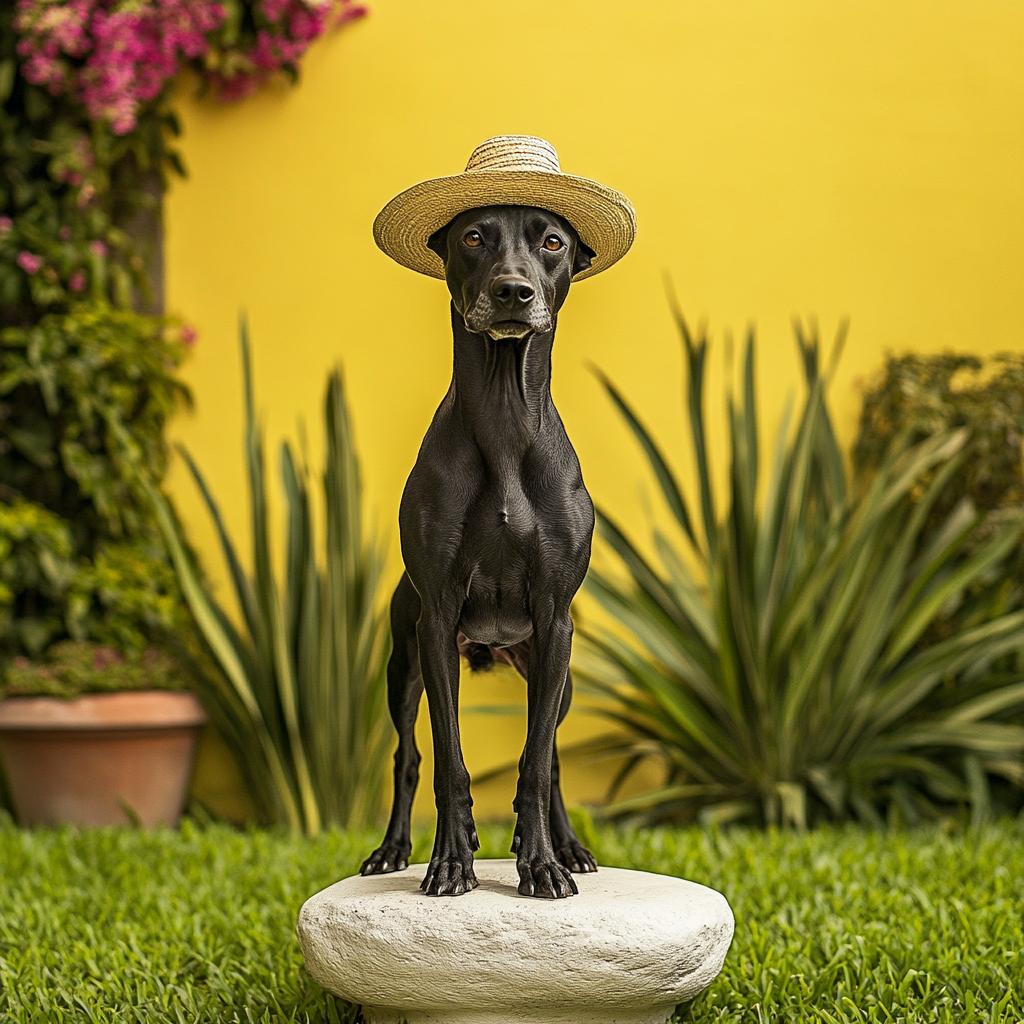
839 924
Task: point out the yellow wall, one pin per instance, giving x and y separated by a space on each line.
792 157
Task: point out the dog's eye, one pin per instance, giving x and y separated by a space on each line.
473 239
553 243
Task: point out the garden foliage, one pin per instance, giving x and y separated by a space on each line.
86 384
37 575
770 658
300 688
84 398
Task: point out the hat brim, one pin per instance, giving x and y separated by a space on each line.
603 218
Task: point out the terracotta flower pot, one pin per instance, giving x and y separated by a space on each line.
103 759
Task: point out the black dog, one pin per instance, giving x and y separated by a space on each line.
496 528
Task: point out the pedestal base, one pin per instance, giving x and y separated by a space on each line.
626 950
580 1015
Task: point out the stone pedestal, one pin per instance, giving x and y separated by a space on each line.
627 949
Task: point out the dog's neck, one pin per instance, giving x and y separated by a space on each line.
502 389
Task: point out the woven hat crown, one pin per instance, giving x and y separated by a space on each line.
514 153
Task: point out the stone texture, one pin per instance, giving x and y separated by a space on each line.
627 949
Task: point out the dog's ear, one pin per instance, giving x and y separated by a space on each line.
438 242
584 255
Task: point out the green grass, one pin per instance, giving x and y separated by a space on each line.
839 924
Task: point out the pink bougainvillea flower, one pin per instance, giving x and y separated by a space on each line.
51 32
5 226
349 12
98 248
237 87
188 335
296 24
29 262
118 55
76 282
273 9
131 50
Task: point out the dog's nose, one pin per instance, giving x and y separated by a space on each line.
511 292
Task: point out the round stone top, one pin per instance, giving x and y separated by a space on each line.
628 948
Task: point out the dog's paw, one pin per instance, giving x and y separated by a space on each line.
450 871
387 857
545 878
572 854
449 876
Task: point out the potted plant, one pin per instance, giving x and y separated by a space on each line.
87 595
91 736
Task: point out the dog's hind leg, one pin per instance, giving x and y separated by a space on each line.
405 685
571 853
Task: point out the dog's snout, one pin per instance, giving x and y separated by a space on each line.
511 292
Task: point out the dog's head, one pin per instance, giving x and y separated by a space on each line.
509 267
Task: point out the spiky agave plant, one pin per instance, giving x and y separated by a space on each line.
299 687
770 658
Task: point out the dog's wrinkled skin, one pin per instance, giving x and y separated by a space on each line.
496 528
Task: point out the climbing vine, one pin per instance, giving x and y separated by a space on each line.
87 359
87 128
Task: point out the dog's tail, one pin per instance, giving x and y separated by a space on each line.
479 656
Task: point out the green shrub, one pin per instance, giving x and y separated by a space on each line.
770 660
84 398
129 597
916 396
37 576
919 395
73 667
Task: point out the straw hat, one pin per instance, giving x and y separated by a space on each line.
508 170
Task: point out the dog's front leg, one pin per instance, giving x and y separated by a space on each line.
450 872
540 873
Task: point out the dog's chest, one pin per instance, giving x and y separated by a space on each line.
501 523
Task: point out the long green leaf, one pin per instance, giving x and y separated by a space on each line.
663 474
696 352
209 623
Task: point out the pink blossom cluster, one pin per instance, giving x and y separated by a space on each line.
52 31
137 51
273 50
30 262
129 50
116 55
295 24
